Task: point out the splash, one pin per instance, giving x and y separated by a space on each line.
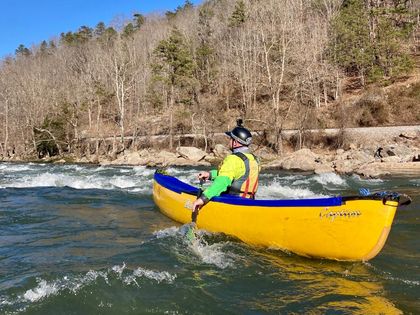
213 254
77 177
43 290
330 178
168 232
279 191
74 284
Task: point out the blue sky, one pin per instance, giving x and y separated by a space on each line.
30 22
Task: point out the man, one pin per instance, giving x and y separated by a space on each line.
237 174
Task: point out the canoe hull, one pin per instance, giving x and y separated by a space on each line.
355 230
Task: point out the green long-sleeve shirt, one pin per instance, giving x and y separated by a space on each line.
231 168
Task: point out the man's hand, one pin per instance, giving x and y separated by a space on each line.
197 204
203 175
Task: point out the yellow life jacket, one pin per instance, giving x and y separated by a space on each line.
246 185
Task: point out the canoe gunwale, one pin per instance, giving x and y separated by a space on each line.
178 186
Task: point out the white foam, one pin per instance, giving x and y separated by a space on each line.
43 290
368 180
143 171
123 182
212 254
168 232
14 167
76 181
330 178
158 276
118 269
278 191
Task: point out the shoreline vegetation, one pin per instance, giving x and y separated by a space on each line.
314 79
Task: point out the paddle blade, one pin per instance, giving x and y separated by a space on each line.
190 235
188 231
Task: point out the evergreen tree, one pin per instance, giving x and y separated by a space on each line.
176 63
175 68
352 45
67 39
368 41
238 16
139 20
100 29
84 34
43 48
129 30
51 45
22 51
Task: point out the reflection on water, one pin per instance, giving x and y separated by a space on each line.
346 287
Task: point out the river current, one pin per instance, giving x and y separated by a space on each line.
89 240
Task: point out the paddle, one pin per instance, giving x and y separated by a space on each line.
190 233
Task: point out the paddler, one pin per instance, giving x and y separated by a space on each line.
238 172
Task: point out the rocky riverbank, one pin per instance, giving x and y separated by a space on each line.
399 155
369 152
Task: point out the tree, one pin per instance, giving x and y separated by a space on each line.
84 34
368 37
139 20
100 29
174 68
129 30
22 51
352 47
238 16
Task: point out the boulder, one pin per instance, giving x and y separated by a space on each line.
323 168
303 159
132 158
221 151
360 156
265 154
345 166
212 158
191 153
394 159
400 150
372 170
166 157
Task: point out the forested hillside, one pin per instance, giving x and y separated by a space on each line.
276 63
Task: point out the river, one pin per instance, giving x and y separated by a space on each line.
89 240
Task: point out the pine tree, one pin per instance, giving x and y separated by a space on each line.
175 69
84 34
129 30
43 48
368 40
22 51
67 39
352 45
238 16
100 29
139 20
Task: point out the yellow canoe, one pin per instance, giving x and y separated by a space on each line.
340 228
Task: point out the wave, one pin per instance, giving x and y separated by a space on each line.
330 178
79 177
74 283
212 254
279 191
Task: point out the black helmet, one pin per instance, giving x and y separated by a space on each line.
240 134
